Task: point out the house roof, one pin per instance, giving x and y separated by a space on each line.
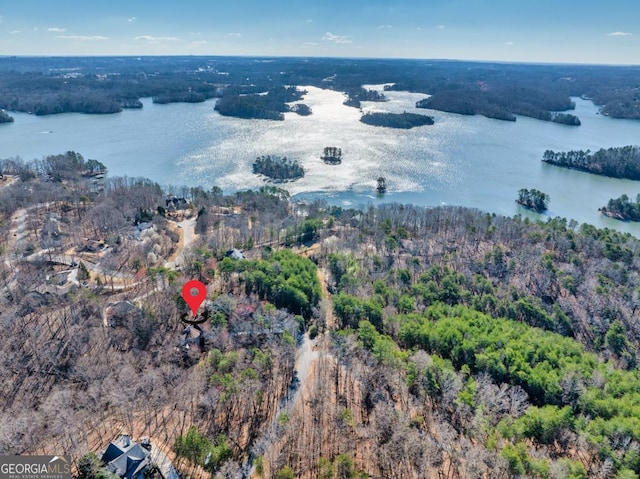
126 458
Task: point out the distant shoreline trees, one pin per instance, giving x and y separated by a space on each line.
278 168
504 106
269 106
533 199
621 162
357 95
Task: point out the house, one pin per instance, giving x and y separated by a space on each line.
235 254
173 204
126 458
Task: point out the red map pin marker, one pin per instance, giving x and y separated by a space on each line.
194 301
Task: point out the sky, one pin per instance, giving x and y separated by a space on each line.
554 31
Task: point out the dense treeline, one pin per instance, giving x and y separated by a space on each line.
43 95
182 97
450 341
502 104
396 120
452 301
283 278
357 95
495 90
278 168
269 106
533 199
623 208
619 162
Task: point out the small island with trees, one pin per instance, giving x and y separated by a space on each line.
5 117
332 155
382 185
278 169
533 199
622 209
621 162
357 95
403 120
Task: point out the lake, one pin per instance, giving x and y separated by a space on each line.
460 160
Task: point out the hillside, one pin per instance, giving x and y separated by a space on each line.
399 341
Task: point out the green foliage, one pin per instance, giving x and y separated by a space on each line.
516 457
500 347
198 449
544 424
278 168
396 120
325 468
533 199
285 473
285 279
569 469
259 465
83 272
344 466
618 162
383 348
540 362
615 338
351 310
91 467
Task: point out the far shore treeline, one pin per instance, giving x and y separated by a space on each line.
252 88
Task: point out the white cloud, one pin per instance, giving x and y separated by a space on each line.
309 44
235 34
151 38
131 19
199 42
508 43
14 32
83 38
336 38
56 30
619 34
381 27
440 27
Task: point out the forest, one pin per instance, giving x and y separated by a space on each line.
278 168
357 95
269 106
501 105
533 199
392 341
108 84
622 208
617 162
403 120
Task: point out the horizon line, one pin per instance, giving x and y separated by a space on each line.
300 57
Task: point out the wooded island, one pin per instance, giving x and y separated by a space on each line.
403 121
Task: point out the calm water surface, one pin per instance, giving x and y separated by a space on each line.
470 161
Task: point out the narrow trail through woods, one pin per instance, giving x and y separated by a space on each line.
309 351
